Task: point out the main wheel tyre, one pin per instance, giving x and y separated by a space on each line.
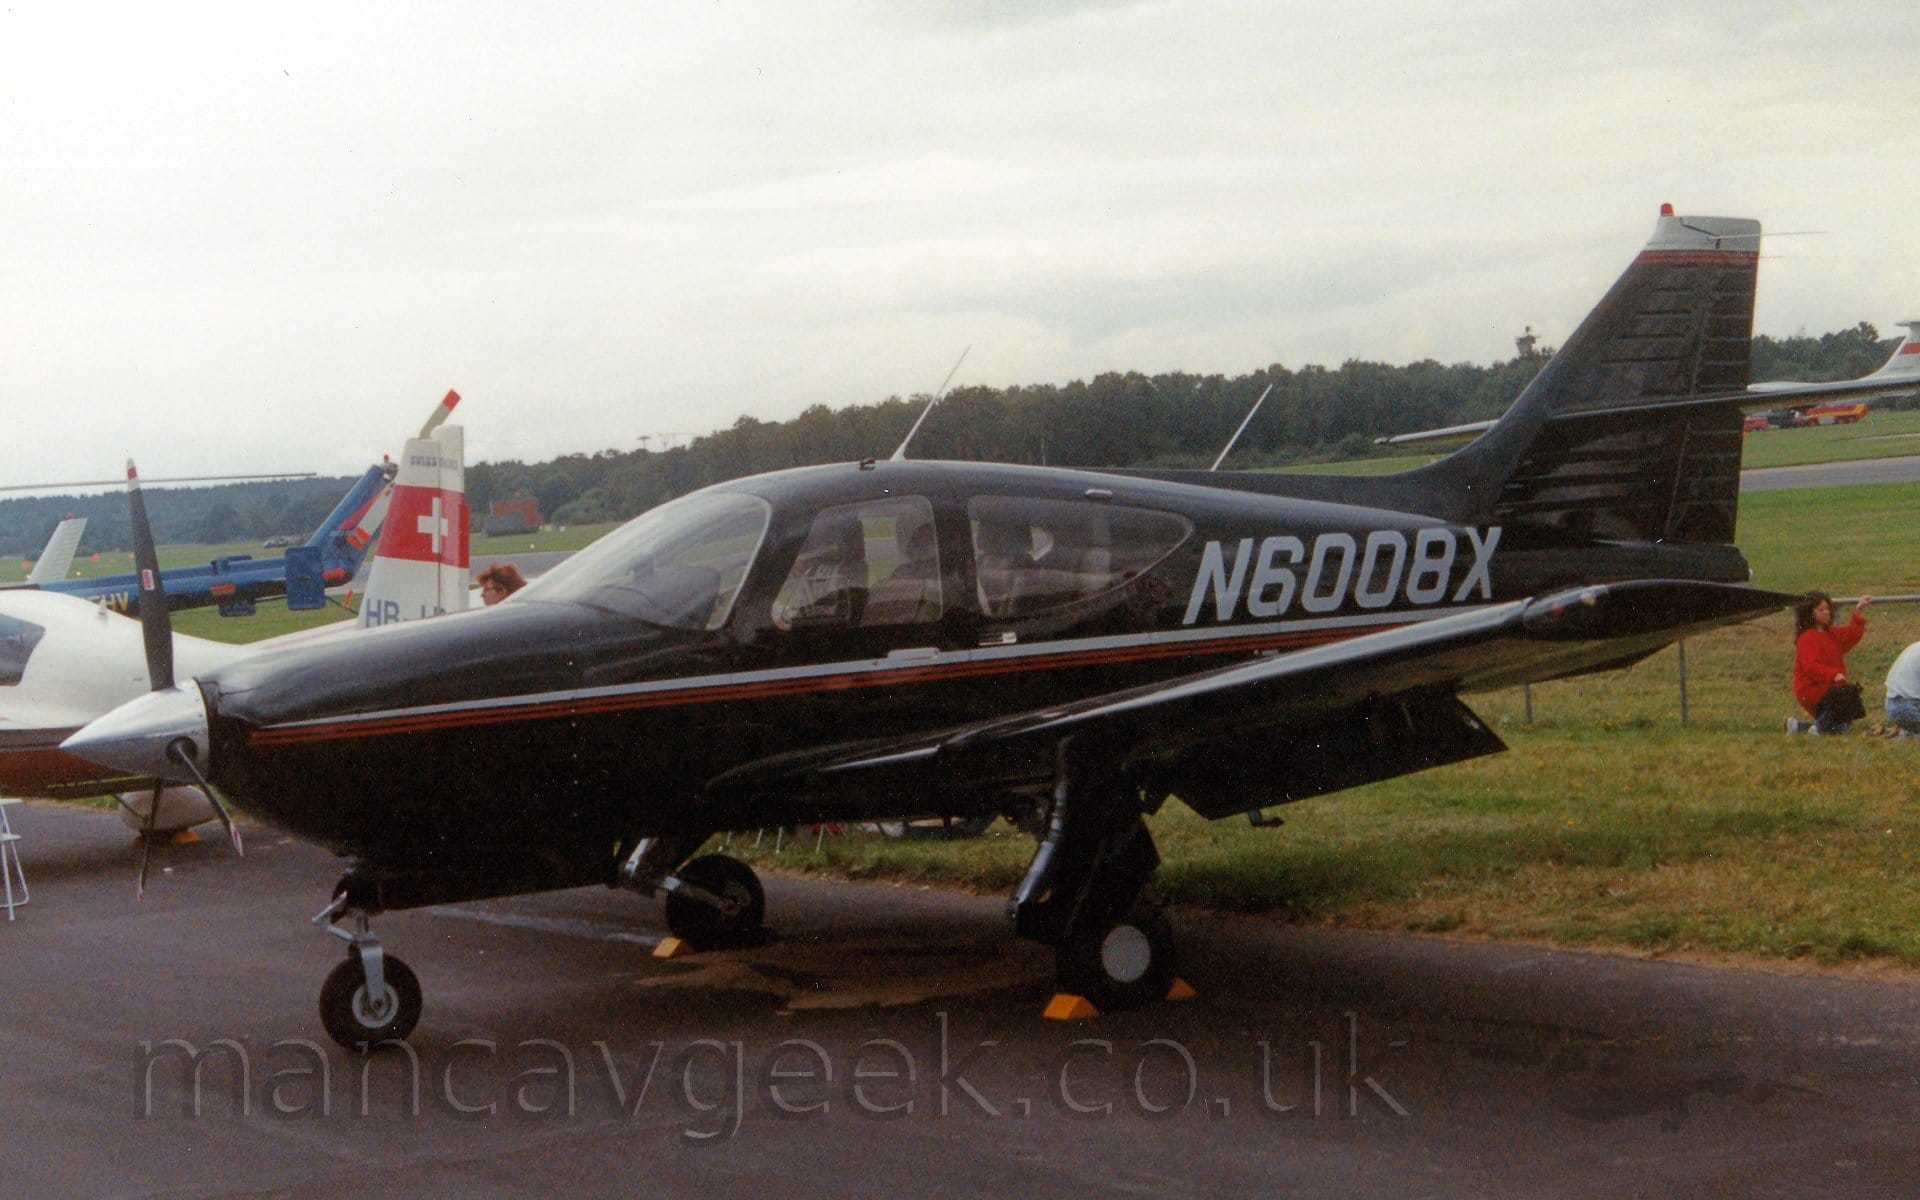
1123 965
710 928
360 1021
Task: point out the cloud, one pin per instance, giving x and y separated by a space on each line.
238 233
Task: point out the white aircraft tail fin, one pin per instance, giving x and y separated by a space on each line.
368 526
57 558
420 565
1905 362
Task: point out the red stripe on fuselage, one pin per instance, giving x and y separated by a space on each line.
764 689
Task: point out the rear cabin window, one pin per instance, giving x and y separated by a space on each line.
17 640
1034 555
865 565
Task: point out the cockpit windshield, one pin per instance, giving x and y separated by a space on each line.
680 565
17 640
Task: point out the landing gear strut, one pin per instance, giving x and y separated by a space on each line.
1086 894
372 997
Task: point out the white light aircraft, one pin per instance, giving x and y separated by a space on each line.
65 660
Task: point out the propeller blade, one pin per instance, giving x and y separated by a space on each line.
178 753
156 626
146 838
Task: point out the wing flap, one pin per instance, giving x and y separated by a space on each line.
1338 749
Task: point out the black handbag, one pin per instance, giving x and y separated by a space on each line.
1843 702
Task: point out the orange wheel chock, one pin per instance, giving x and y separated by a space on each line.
1065 1007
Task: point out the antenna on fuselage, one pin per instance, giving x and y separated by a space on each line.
1228 448
902 451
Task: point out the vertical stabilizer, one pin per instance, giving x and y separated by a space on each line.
356 521
1632 431
1905 361
340 550
420 566
57 559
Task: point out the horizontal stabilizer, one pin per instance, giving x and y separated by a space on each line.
1898 376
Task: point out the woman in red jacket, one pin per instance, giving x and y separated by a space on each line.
1820 659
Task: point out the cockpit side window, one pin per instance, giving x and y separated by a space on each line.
1033 555
864 565
17 640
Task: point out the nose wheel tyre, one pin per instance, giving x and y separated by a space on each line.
706 927
1121 965
359 1020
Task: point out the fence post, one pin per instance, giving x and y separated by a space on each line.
1682 645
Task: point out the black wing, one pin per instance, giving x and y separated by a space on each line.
1286 727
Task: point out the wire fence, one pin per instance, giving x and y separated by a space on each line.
1680 648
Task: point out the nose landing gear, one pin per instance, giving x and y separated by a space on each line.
372 997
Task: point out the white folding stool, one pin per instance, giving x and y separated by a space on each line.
11 873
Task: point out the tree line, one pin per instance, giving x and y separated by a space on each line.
1117 419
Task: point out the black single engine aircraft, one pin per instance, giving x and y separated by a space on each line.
881 640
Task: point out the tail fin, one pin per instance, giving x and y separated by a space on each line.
1905 362
420 566
1630 433
353 524
57 558
339 537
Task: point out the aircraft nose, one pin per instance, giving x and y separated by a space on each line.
135 737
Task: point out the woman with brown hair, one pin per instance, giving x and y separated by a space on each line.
1820 661
499 581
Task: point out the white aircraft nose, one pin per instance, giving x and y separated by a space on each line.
135 737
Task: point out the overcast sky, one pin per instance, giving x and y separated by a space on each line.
252 237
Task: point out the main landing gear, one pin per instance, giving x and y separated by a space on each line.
714 902
1086 892
1124 963
372 997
